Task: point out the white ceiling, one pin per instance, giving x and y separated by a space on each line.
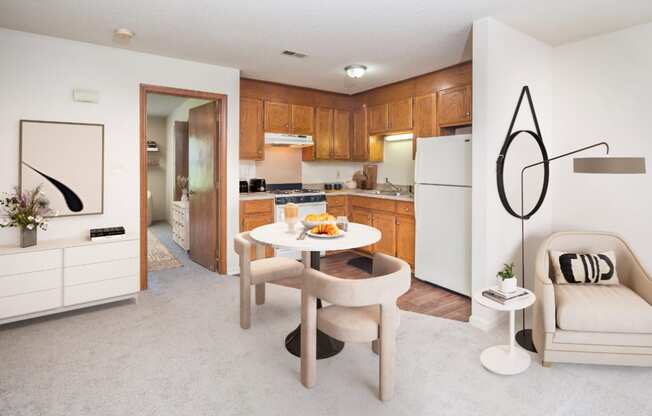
162 105
395 39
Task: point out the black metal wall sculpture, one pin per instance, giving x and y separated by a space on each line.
500 163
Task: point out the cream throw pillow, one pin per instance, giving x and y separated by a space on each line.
571 268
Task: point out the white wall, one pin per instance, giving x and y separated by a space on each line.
37 76
603 90
156 174
178 114
330 171
504 60
398 164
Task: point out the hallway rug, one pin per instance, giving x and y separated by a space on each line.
158 256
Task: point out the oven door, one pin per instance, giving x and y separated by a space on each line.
304 209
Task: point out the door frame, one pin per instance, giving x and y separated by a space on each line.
221 170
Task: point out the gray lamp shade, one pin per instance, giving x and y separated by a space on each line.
609 165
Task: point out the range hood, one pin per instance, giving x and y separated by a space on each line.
293 140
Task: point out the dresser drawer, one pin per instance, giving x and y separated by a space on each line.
30 303
30 262
89 292
17 284
96 272
75 256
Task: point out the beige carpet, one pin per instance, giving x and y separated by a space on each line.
158 256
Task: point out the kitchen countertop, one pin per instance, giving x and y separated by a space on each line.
357 192
360 192
252 196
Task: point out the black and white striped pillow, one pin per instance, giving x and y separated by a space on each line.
573 268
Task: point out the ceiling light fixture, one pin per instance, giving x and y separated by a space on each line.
355 71
123 34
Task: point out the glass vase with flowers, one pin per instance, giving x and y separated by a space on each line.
26 210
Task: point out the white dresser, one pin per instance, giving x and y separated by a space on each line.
181 224
59 275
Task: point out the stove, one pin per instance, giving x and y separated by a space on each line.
299 196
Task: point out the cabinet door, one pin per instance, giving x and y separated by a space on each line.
360 141
323 133
453 106
251 129
469 103
342 135
277 117
362 216
399 115
249 222
386 223
425 116
405 239
302 119
377 118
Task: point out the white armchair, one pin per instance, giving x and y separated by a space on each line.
593 324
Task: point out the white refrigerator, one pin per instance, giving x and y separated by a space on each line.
442 203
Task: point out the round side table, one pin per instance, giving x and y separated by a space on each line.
506 359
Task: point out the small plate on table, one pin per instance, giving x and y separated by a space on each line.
315 235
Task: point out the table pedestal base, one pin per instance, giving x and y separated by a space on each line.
326 346
500 360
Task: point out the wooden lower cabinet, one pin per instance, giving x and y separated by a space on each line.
405 237
254 214
362 217
386 223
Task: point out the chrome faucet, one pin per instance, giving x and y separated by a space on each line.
394 187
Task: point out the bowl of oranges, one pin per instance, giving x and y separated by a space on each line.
310 221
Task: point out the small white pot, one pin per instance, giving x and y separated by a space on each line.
507 285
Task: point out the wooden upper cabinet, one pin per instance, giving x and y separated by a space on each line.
399 115
360 140
425 116
377 118
323 137
252 132
341 148
454 106
277 117
302 117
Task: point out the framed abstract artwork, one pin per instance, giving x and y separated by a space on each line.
67 159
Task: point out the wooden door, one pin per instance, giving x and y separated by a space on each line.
277 117
377 118
342 135
452 106
399 115
252 130
323 133
180 154
386 223
362 216
405 238
202 174
302 121
360 140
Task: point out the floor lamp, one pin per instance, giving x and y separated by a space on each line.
610 165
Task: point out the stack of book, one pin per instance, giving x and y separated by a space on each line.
504 298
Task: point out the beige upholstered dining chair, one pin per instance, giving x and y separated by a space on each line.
362 310
258 272
588 323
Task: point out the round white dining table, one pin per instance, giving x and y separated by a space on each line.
278 235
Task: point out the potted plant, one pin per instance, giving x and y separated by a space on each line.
26 210
182 183
506 279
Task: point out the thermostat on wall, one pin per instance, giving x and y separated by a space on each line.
85 96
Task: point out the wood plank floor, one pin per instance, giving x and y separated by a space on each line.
421 298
